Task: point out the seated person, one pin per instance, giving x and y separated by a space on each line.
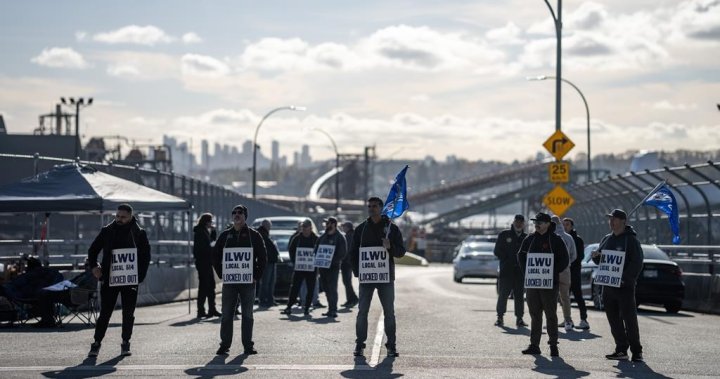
26 287
48 298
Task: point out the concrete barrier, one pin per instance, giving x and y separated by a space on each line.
702 292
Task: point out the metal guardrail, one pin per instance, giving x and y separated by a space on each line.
697 189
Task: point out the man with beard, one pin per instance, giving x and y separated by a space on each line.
376 241
346 268
330 250
239 259
125 262
548 252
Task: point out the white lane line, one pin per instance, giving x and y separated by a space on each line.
377 344
214 367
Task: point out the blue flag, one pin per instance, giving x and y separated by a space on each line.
396 203
664 200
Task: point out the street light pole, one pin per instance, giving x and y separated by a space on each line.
587 112
558 72
337 169
80 102
257 129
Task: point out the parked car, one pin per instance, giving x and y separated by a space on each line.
660 281
284 267
480 238
283 222
475 260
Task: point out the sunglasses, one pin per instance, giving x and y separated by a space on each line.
539 222
238 212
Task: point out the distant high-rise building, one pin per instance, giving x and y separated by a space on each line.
247 147
275 151
205 154
305 159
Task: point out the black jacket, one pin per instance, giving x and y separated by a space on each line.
369 234
337 240
115 236
628 242
273 255
580 247
301 241
506 249
246 237
545 243
202 251
349 241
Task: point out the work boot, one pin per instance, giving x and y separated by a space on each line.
125 349
213 313
358 352
499 321
520 323
554 351
532 350
223 350
94 349
392 351
201 314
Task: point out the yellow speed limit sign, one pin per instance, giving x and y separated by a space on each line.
558 200
559 172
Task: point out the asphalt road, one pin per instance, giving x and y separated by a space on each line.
445 330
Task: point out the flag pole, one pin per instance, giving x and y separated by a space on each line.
657 187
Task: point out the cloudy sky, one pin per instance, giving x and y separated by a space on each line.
415 78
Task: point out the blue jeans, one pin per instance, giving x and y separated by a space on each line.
231 294
267 285
386 293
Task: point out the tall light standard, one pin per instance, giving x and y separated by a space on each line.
558 72
80 102
257 129
587 112
337 168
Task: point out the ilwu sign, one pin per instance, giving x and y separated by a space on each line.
610 269
124 268
539 271
324 256
237 265
304 259
374 265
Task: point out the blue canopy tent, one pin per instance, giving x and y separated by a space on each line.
76 189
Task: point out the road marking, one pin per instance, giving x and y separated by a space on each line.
189 367
377 344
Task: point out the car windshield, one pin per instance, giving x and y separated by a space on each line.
282 241
478 247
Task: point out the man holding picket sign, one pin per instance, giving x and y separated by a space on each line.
302 256
542 256
330 250
620 260
125 262
239 259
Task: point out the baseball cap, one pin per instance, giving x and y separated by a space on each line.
541 217
306 222
618 213
519 217
331 220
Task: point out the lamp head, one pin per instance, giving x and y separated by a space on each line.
297 108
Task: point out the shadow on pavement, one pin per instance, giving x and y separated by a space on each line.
558 367
324 320
629 369
191 321
218 367
574 335
28 328
384 369
86 369
516 331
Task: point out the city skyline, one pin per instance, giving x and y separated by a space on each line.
414 79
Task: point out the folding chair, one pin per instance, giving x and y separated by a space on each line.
83 306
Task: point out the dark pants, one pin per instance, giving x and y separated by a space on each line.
329 281
543 301
267 285
298 278
576 290
386 293
108 299
46 303
347 275
621 312
206 288
231 295
511 282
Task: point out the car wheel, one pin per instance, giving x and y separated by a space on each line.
457 279
673 307
597 297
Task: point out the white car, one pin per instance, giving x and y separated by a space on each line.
283 222
475 260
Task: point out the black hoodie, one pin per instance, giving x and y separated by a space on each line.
545 243
246 237
634 256
202 251
370 234
116 236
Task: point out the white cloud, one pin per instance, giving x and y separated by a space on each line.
135 65
510 34
80 35
147 122
665 105
60 57
203 66
126 70
191 37
133 34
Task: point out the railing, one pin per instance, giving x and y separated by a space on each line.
695 259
